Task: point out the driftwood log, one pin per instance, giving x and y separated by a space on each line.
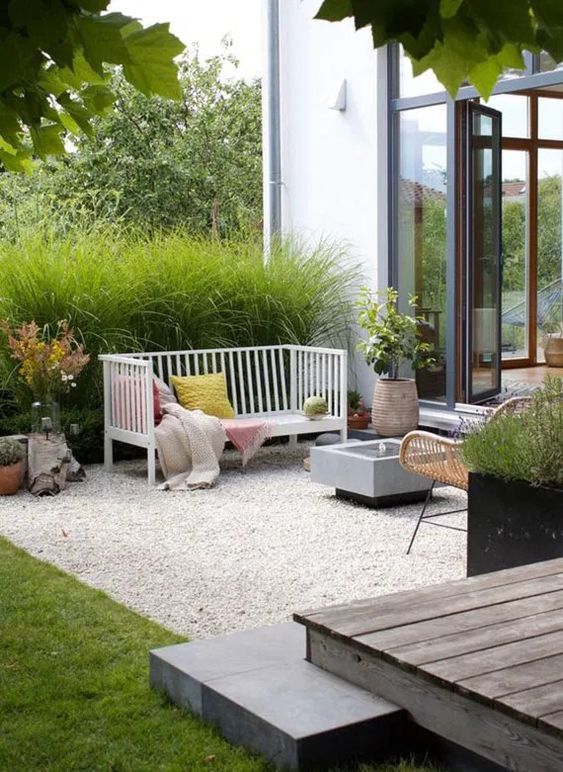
49 460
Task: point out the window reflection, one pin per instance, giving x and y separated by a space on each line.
422 231
550 118
515 114
515 229
550 246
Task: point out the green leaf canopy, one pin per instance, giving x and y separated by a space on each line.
54 75
461 40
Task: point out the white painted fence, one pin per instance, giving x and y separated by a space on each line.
269 381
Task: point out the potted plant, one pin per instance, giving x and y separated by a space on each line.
392 338
315 408
553 344
11 465
515 496
358 417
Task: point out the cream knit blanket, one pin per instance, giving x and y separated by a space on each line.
189 445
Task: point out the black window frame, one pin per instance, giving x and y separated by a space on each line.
531 78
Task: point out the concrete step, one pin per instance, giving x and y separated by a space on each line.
257 688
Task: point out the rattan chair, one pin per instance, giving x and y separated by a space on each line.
440 459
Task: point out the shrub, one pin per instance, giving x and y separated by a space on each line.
11 451
122 291
526 447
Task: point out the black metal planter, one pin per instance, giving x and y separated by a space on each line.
511 524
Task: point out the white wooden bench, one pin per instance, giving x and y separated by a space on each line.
269 381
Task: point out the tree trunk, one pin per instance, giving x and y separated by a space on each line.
48 463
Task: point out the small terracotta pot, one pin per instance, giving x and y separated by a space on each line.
10 478
359 421
553 351
394 409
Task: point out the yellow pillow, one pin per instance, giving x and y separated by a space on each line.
204 392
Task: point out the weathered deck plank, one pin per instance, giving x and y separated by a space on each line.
433 629
478 661
478 638
517 678
537 702
496 658
381 616
480 728
437 591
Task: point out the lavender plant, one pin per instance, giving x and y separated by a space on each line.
527 446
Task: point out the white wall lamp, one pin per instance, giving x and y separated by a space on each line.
338 102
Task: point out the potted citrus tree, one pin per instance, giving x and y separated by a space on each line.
11 465
515 496
392 338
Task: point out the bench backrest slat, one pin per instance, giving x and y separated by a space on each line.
258 379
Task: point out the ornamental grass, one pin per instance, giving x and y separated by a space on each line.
122 291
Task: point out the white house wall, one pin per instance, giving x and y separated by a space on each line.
334 163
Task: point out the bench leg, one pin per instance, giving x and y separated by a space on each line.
151 465
344 434
108 453
293 442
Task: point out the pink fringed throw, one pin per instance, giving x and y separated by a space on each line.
247 434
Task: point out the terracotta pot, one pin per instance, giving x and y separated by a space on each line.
10 478
553 351
394 408
359 421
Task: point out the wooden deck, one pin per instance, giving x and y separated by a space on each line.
477 661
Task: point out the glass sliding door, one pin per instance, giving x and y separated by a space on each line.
516 253
483 303
421 205
549 303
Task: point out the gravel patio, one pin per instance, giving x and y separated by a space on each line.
263 543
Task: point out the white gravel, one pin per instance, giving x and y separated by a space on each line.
263 543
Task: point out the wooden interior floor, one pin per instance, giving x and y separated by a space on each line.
530 375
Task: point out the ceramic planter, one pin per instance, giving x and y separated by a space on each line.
395 406
511 524
553 351
358 420
10 478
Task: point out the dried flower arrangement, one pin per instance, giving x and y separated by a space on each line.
48 365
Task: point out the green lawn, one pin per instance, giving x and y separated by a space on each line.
74 691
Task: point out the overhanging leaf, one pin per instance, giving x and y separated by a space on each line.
94 6
60 50
151 68
98 98
16 163
47 140
449 8
549 15
74 114
459 39
103 38
47 23
335 10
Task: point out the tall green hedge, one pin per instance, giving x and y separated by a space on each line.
123 291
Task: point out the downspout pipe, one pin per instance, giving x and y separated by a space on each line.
273 213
